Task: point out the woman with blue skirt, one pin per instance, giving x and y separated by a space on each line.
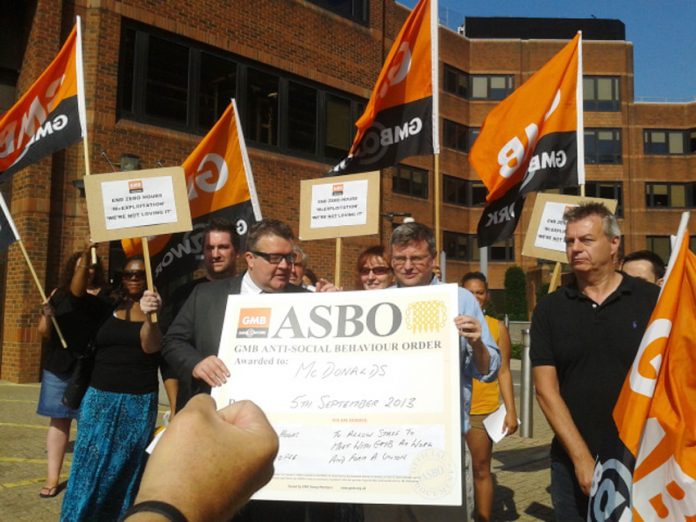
58 362
118 412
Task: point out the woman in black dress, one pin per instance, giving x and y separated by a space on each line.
58 362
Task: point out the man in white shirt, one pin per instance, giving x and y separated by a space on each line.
192 341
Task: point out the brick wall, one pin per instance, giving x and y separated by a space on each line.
30 208
301 38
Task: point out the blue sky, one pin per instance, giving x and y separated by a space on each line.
663 33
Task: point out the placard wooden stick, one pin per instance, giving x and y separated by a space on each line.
44 299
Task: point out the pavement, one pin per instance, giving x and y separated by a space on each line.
520 465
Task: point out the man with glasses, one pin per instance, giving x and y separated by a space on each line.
192 341
412 259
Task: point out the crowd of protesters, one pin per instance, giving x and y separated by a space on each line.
116 331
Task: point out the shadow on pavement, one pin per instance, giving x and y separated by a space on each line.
504 507
523 459
540 512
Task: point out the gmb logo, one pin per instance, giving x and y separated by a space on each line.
611 492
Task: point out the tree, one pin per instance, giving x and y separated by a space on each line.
516 294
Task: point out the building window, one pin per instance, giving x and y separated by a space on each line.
410 181
602 146
355 10
600 189
169 81
459 137
218 86
601 93
262 107
463 192
490 86
502 251
456 82
339 127
464 247
660 141
660 245
477 86
302 118
670 195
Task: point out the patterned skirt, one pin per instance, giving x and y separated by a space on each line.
113 432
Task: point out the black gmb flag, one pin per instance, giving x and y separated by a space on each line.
531 141
401 118
50 116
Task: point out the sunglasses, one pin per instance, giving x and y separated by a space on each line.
275 259
377 270
133 274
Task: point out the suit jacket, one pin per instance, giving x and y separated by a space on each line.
195 332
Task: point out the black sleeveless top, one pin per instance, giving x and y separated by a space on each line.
120 364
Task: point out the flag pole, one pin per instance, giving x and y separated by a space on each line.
81 104
337 267
681 230
438 198
148 272
82 110
556 276
44 299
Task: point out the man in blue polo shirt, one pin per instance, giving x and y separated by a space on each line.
584 338
412 259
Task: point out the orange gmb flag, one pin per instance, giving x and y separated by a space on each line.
220 185
656 413
49 116
401 118
532 140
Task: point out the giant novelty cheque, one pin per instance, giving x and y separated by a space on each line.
362 388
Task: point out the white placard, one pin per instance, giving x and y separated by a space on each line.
495 424
552 227
339 204
138 202
362 388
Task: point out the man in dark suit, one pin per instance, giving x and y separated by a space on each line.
220 248
192 341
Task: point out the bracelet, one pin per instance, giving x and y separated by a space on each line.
156 506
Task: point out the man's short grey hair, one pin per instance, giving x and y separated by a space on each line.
585 210
302 256
407 232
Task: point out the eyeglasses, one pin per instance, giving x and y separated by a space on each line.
133 274
415 260
377 270
275 259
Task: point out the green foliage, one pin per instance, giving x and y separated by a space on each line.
492 311
516 350
516 294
